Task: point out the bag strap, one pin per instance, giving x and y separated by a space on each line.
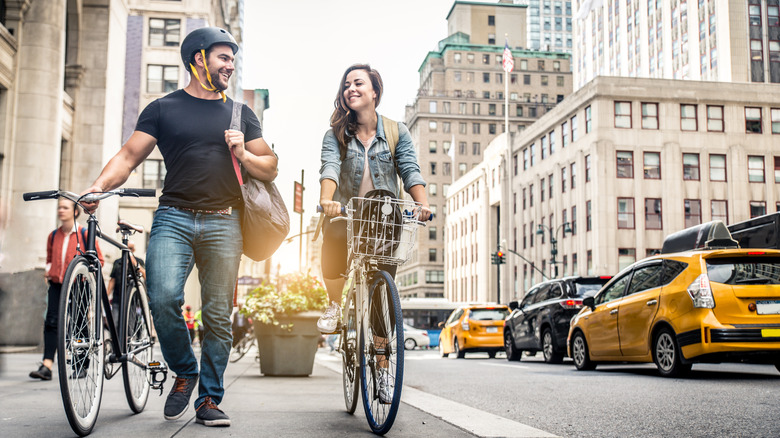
235 123
391 133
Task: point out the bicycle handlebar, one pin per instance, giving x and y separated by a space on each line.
89 197
34 196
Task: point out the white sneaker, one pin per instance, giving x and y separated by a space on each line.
386 387
329 320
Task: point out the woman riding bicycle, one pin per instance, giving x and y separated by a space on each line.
357 159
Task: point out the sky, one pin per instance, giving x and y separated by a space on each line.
299 50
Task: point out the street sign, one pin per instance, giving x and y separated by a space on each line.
298 203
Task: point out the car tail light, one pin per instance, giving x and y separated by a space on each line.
701 293
571 304
425 334
465 325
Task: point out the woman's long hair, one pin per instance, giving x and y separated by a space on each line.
344 120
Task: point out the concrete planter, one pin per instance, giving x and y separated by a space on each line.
288 352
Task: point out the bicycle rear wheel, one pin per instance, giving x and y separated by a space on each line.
349 355
382 354
242 347
80 350
138 336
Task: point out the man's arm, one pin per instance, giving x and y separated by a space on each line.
256 156
118 169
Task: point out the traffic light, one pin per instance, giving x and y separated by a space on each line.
494 258
500 257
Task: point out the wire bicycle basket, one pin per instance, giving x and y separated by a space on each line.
383 228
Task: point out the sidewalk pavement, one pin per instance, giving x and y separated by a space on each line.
258 406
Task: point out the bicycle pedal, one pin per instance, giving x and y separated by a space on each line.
158 374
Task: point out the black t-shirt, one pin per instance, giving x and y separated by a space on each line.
116 272
190 134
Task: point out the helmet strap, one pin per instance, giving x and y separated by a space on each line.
208 77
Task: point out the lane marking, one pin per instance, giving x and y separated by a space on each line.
470 419
505 365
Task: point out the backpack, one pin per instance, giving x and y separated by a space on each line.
83 236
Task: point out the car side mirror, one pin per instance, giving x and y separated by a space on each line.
590 302
513 305
441 324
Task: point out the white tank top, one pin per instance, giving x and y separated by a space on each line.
366 184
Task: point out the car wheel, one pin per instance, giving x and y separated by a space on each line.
460 354
580 354
666 354
441 351
512 353
548 348
410 344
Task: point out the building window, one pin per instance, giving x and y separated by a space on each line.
717 167
626 257
526 79
652 165
154 174
432 189
588 120
491 128
470 58
462 147
564 134
433 126
625 164
574 267
432 146
563 179
714 118
757 208
457 58
692 212
587 168
720 211
486 60
446 169
550 181
486 78
774 115
772 16
545 80
589 261
622 114
491 20
525 159
432 255
688 117
433 168
432 232
164 32
475 128
752 120
625 213
162 78
691 167
588 216
777 169
653 220
476 149
462 169
649 116
573 168
573 122
531 196
756 50
574 220
492 109
755 168
519 111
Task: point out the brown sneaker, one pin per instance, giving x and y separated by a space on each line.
208 414
179 397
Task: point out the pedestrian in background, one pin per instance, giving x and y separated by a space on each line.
198 222
114 294
61 247
189 318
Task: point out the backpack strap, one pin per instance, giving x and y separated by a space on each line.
391 134
235 123
51 238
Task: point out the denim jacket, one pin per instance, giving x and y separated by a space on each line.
348 173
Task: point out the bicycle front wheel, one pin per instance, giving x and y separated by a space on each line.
382 354
349 355
242 348
80 350
138 332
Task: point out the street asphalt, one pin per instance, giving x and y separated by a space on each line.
258 406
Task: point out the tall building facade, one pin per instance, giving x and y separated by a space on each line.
603 166
460 108
550 25
713 40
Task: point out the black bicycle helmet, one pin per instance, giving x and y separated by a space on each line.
202 39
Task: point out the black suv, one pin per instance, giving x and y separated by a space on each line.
541 321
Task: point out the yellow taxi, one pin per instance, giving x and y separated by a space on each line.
713 303
473 328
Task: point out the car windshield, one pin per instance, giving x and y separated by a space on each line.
744 271
488 314
589 288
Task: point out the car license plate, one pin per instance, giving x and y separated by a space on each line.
768 307
492 329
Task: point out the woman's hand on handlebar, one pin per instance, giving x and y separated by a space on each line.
330 207
425 213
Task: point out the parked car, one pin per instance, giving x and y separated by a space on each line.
540 322
473 328
414 337
714 304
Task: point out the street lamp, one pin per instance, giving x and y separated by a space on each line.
553 242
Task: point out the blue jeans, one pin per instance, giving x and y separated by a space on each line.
179 240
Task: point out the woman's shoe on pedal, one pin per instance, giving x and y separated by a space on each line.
386 387
329 321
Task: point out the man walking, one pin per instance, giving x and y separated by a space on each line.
198 220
